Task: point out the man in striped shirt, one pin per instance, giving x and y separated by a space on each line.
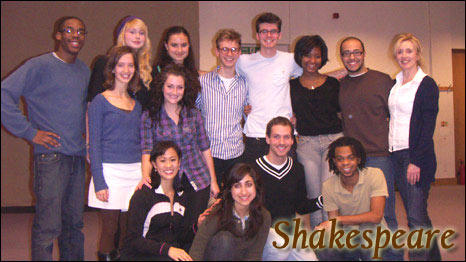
221 101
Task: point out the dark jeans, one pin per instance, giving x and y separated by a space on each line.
385 164
197 201
257 147
59 188
222 166
415 202
223 247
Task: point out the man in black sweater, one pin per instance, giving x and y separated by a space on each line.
285 189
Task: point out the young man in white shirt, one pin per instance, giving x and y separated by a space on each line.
267 74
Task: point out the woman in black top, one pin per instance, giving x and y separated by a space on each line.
157 228
314 98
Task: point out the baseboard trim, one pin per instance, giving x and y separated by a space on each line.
445 181
32 209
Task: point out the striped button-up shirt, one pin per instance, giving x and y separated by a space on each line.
222 112
189 135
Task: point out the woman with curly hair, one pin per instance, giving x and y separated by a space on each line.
173 116
238 226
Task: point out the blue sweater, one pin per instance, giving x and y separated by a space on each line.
55 94
113 137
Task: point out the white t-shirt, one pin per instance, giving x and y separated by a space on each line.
269 88
226 82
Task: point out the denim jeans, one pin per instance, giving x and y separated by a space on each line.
271 253
385 164
415 202
312 154
59 188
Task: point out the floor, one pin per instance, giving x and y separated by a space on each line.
446 210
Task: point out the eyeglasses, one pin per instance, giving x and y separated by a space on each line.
272 32
70 30
226 50
355 53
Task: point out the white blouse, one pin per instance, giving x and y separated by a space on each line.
400 104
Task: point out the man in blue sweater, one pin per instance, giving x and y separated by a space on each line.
54 86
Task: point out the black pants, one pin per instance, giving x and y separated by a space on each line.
197 201
222 166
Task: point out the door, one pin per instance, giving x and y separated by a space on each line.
458 100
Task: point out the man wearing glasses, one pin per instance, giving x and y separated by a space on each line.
221 101
364 110
267 73
54 86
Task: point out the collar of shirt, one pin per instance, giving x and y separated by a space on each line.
416 80
159 190
237 75
341 190
243 221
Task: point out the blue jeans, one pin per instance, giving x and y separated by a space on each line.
59 188
385 164
415 202
312 154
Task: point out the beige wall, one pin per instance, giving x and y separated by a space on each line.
27 32
438 25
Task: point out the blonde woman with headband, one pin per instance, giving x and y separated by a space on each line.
413 105
132 32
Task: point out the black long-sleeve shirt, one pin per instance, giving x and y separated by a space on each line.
152 230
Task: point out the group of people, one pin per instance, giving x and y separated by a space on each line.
165 140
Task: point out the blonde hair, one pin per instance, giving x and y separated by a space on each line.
400 38
144 53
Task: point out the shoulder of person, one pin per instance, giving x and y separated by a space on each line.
429 81
379 75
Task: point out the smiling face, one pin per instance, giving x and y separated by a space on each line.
135 37
167 165
243 192
268 35
346 161
173 89
280 141
228 59
71 43
353 63
407 56
178 47
124 69
312 61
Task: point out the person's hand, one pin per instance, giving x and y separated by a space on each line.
293 120
102 195
207 212
327 225
46 139
413 174
214 189
338 74
178 254
247 109
144 181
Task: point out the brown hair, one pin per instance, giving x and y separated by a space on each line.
227 34
113 57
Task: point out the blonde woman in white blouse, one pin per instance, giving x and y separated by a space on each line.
413 105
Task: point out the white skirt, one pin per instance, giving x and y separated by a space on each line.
121 180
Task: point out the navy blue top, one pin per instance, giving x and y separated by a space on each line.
113 136
421 130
